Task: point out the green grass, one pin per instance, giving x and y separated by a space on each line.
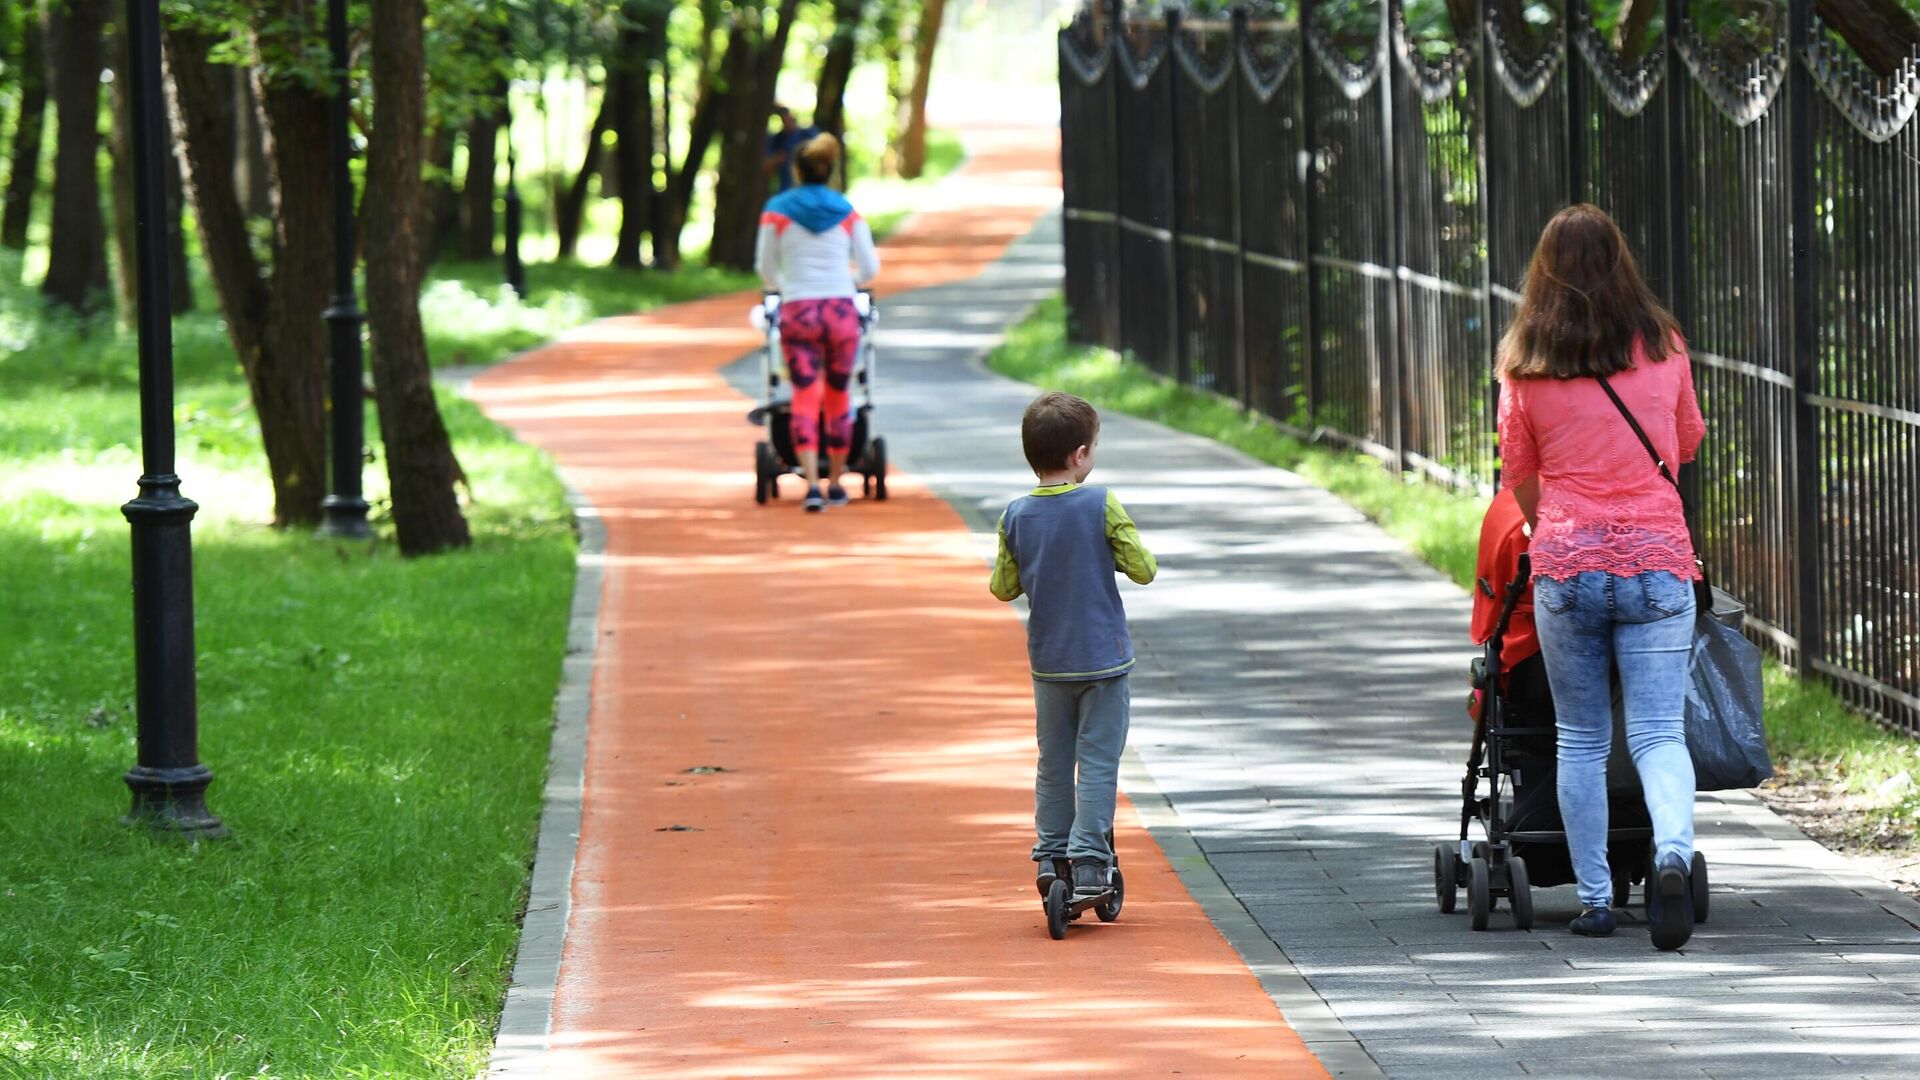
377 727
472 317
1810 729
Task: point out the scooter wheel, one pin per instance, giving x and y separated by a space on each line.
1110 910
1056 906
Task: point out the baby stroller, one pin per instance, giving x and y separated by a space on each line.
774 456
1524 842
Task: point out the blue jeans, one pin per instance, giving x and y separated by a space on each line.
1589 624
1082 730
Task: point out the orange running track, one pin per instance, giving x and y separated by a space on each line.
851 897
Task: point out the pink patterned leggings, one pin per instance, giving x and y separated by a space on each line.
821 339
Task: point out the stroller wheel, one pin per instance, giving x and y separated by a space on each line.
1479 894
877 468
1446 877
1698 881
1622 886
1519 893
763 473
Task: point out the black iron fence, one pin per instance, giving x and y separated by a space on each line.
1331 225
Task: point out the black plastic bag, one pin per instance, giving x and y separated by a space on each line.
1725 697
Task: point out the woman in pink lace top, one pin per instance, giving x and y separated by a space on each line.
1612 559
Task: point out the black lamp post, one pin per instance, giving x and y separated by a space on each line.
169 783
344 506
516 273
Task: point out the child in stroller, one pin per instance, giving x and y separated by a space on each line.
1514 750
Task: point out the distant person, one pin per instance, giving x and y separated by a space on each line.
1061 545
1590 367
817 253
783 144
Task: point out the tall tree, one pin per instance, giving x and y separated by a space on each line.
478 193
642 26
913 126
836 67
710 104
420 462
23 176
272 312
77 264
752 65
572 204
125 235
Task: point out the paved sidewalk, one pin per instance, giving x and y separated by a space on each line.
1300 699
807 781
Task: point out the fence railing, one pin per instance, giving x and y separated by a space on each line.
1332 227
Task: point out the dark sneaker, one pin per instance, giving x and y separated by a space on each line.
836 495
1594 922
1050 871
1089 878
813 503
1670 907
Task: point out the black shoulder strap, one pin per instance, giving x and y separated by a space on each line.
1637 430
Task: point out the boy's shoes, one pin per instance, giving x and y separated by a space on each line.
1594 922
1089 878
1051 870
813 503
1670 906
836 495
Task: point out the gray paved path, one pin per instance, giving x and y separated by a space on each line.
1299 702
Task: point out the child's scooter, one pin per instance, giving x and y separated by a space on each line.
1062 907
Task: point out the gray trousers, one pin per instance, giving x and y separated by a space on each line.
1083 725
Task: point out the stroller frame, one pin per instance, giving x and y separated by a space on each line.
1489 869
774 456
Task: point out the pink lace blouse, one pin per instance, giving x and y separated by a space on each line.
1603 503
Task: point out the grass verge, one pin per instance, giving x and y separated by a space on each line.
1813 735
377 728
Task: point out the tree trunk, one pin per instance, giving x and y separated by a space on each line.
77 267
631 87
274 323
23 176
740 189
679 194
913 127
125 234
572 204
829 109
476 195
420 464
442 207
252 175
179 274
1881 31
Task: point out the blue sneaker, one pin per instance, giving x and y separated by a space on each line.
813 503
836 495
1670 906
1594 922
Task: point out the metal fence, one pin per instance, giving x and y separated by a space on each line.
1331 226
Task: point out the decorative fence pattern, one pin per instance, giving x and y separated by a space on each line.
1334 234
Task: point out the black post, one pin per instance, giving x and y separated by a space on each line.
1110 323
168 781
1679 235
1481 90
1308 167
1579 122
1394 363
1810 623
345 508
1235 46
1182 362
516 273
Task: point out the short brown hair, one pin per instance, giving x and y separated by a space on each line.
1054 426
817 158
1584 306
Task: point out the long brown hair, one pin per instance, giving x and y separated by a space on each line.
1585 305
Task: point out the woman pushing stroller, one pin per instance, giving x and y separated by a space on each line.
811 244
1589 363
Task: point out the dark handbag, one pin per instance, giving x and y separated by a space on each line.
1725 695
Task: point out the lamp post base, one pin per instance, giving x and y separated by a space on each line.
346 518
173 801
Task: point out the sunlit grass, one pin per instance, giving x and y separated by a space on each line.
1808 726
377 728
